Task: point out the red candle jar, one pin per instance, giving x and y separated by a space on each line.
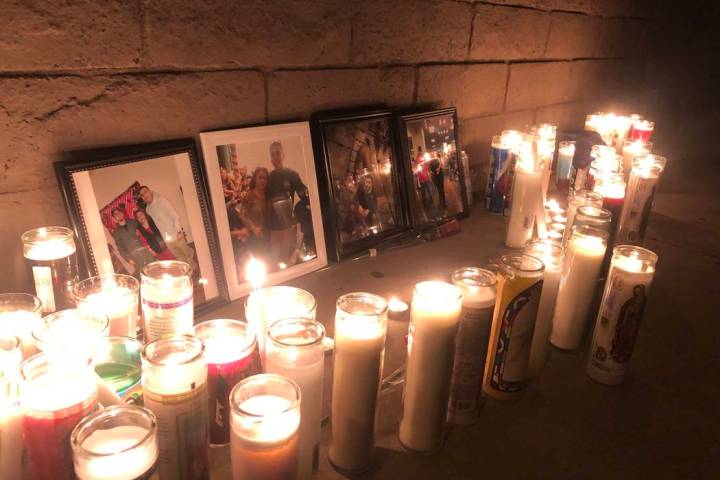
642 130
231 351
56 392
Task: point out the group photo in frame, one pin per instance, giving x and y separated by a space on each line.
363 180
430 144
135 204
264 191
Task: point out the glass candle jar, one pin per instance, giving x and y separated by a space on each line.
500 178
51 255
360 328
642 130
566 152
266 305
551 254
166 291
11 416
546 134
612 188
232 354
20 314
644 178
71 332
631 150
519 285
114 296
10 356
579 198
117 443
118 363
581 270
631 274
56 392
434 319
265 428
527 197
478 302
295 351
175 390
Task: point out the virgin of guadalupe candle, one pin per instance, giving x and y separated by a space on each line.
360 328
117 443
56 392
265 306
175 390
478 301
295 351
265 428
10 412
631 274
638 203
520 279
231 353
581 269
527 195
20 314
579 198
166 291
114 296
551 254
630 151
434 318
50 253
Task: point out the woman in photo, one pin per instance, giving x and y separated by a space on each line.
254 213
227 184
150 236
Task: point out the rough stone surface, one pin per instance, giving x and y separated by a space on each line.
591 78
500 32
249 32
475 89
42 117
296 94
411 31
537 84
573 35
623 38
51 35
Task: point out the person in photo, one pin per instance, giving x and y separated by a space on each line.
128 243
149 235
167 221
254 213
438 178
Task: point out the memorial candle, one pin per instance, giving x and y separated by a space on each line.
642 130
265 423
612 189
20 314
56 392
546 134
581 269
630 151
618 321
551 254
118 363
360 327
295 351
232 354
638 203
51 255
566 152
175 390
527 197
11 416
117 443
579 198
115 296
434 319
167 299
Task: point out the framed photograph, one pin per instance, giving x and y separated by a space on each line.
132 205
363 180
265 196
431 148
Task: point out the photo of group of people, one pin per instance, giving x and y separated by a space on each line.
362 169
436 168
267 203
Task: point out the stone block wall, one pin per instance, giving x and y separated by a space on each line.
82 74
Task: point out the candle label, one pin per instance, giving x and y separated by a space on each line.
167 318
499 180
182 433
470 352
44 287
639 210
518 308
617 326
54 280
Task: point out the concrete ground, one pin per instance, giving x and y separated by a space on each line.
661 423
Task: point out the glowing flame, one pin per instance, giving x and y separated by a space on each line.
255 273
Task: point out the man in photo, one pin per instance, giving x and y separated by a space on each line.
168 223
283 185
128 243
438 178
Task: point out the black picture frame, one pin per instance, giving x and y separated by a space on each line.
339 250
419 221
80 161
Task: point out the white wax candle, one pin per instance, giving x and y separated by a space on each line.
526 196
50 249
359 348
577 285
119 304
630 151
435 313
304 366
637 205
167 308
20 324
11 442
566 153
115 458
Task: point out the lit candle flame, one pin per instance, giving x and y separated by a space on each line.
255 273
